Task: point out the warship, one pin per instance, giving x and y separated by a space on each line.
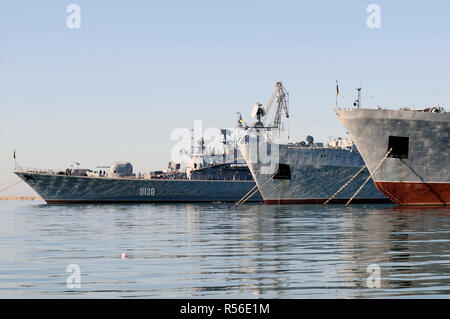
203 180
306 172
407 151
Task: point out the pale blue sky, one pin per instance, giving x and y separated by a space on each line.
116 88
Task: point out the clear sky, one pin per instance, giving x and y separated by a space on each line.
115 88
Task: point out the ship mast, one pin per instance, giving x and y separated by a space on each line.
357 102
224 142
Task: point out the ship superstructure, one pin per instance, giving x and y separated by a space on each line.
206 178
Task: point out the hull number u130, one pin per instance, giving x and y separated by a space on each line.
147 191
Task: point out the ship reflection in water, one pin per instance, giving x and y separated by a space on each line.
221 250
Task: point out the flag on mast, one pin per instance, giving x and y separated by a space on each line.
337 93
14 154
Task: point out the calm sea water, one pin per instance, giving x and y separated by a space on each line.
223 251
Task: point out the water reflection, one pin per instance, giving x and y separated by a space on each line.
221 250
411 246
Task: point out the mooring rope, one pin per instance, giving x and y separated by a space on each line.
345 185
365 182
8 182
242 200
247 194
4 189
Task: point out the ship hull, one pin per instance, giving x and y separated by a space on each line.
416 193
316 174
417 172
63 189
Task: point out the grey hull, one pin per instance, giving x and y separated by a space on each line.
76 189
429 143
418 171
315 175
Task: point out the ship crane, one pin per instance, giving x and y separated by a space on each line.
281 96
279 102
282 105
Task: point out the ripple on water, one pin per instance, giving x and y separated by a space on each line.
220 250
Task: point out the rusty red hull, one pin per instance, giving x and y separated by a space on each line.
416 193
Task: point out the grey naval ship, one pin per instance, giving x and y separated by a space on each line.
407 151
305 172
201 181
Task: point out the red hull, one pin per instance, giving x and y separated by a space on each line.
416 193
318 201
